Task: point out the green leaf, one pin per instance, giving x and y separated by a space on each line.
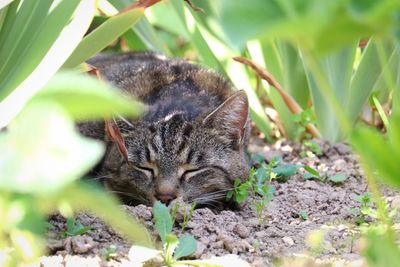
364 198
75 228
44 55
338 178
245 20
378 154
311 171
39 24
241 195
42 152
261 175
5 3
163 220
309 176
102 36
258 158
329 82
91 198
171 243
303 215
187 245
286 170
366 76
84 97
144 35
381 249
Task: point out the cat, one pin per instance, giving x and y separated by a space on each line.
191 142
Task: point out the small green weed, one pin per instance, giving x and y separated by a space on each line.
110 253
174 248
303 215
302 119
260 177
75 228
259 182
187 214
314 174
309 147
365 209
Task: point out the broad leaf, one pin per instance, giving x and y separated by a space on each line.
381 250
163 220
313 172
4 3
41 151
82 196
48 49
338 178
84 97
286 170
103 35
377 154
345 21
187 245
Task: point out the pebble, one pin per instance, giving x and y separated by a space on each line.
241 230
396 202
82 244
229 243
261 234
288 241
218 245
339 164
54 245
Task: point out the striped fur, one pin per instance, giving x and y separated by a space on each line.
189 145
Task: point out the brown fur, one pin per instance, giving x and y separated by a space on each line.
191 142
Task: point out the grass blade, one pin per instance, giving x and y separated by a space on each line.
102 36
60 49
87 98
39 26
329 81
365 78
80 196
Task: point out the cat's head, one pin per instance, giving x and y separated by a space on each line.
196 161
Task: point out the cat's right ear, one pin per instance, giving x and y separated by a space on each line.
231 117
116 137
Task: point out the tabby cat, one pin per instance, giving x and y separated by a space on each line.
191 142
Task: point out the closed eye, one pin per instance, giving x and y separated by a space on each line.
148 171
190 173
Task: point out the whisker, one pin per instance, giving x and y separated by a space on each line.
213 195
126 194
125 120
219 191
102 177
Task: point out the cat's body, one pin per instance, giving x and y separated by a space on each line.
191 142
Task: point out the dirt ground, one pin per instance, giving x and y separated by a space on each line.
260 240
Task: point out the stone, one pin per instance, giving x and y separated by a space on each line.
241 230
288 241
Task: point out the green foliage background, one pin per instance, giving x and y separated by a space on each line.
311 47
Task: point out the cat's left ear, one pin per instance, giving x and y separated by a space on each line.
231 117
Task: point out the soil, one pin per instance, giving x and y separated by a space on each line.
261 240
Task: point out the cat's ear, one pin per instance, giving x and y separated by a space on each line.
231 117
116 137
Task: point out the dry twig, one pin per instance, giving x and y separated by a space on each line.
293 106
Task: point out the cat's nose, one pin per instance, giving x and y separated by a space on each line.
165 198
